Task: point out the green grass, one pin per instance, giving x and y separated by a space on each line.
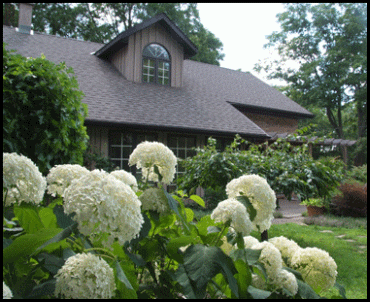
351 259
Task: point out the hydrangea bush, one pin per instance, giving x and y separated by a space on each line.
101 237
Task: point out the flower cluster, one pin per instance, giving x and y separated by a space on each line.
127 178
286 247
104 205
85 276
234 211
149 154
61 176
154 199
271 258
318 269
7 293
22 179
261 196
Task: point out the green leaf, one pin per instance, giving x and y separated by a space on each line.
249 256
342 290
43 289
243 277
62 235
204 262
173 204
121 275
174 244
306 291
48 218
63 219
51 262
190 289
28 218
25 245
258 293
251 210
198 200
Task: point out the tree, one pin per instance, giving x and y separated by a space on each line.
329 43
101 22
43 115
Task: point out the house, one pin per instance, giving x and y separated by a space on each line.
142 86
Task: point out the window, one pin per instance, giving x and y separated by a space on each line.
182 147
121 145
156 65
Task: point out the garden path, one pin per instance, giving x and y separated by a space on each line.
292 212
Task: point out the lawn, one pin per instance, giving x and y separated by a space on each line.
347 246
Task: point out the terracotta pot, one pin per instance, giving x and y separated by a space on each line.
315 211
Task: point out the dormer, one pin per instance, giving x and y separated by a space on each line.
151 52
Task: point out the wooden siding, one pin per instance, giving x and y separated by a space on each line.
270 123
128 60
98 139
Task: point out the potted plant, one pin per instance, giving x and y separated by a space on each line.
315 206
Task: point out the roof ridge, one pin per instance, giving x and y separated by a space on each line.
50 35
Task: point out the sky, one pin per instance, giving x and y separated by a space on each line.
242 28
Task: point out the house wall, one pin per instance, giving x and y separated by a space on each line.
270 123
129 59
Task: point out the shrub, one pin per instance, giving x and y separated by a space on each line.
352 202
43 116
358 173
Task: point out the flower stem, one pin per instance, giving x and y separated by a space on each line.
110 255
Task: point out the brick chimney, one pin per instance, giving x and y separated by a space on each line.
25 17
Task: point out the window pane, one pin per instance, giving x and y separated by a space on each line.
172 142
115 152
156 51
115 137
126 151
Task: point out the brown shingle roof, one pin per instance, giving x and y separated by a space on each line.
202 104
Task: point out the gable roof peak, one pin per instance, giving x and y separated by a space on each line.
177 34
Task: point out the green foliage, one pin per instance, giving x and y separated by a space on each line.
42 111
358 173
287 169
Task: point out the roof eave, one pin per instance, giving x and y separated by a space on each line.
264 110
175 129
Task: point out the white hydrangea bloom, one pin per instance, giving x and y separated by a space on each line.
22 179
287 280
7 293
261 196
154 199
249 241
286 247
127 178
61 176
85 276
270 257
231 209
104 205
148 154
318 269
